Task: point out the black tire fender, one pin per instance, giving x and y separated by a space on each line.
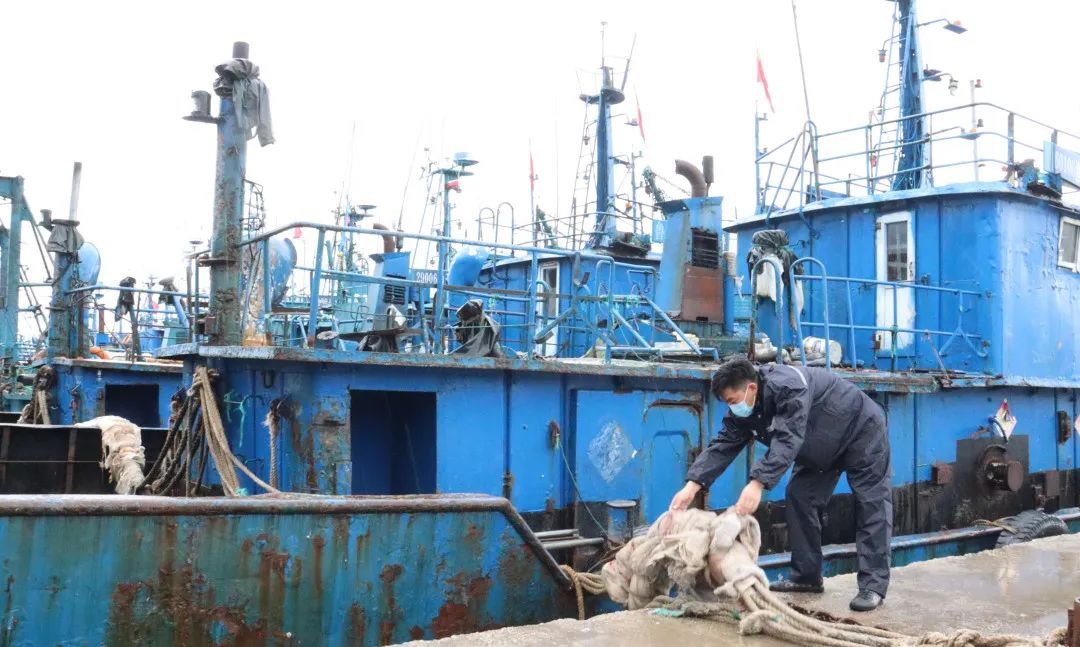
1028 525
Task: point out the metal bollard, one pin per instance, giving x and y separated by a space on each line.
622 516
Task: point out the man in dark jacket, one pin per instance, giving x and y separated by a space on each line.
823 425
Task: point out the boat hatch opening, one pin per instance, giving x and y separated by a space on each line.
135 402
393 442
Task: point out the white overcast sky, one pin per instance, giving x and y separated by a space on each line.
107 82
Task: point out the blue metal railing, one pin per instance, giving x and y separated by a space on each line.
173 318
966 300
627 311
854 164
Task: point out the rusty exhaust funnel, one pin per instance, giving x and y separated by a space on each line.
698 187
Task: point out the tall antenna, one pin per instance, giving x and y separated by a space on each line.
346 180
603 30
408 179
802 68
626 70
558 177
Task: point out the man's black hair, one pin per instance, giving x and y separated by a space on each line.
735 373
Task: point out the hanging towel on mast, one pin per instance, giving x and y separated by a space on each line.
239 80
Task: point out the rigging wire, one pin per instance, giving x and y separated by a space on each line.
802 68
346 179
408 180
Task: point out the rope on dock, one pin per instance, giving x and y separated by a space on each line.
712 561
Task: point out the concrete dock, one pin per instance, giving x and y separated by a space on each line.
1021 589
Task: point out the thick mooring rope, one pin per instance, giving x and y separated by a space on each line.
762 612
195 432
592 583
273 425
698 551
223 457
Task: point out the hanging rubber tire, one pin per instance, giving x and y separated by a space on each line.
1030 524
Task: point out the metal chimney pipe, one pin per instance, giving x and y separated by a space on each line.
76 179
707 170
698 186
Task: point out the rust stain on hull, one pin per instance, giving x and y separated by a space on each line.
317 545
461 613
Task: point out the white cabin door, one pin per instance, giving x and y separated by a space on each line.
895 247
547 307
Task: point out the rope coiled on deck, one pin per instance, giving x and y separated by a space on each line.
712 561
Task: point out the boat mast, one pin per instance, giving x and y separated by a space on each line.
911 171
606 223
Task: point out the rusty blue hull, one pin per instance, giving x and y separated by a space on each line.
287 570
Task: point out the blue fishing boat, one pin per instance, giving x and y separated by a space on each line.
406 453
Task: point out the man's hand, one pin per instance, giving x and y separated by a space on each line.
749 499
683 497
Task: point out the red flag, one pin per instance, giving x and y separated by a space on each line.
640 123
532 173
453 185
297 233
764 83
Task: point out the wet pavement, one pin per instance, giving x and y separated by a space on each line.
1022 589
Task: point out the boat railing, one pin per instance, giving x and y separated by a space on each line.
25 349
156 326
630 324
937 341
577 230
976 142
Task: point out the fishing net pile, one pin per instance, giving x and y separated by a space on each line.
711 561
122 452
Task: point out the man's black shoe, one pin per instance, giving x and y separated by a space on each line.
787 586
866 601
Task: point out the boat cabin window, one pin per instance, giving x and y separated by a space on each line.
1069 244
896 250
550 277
